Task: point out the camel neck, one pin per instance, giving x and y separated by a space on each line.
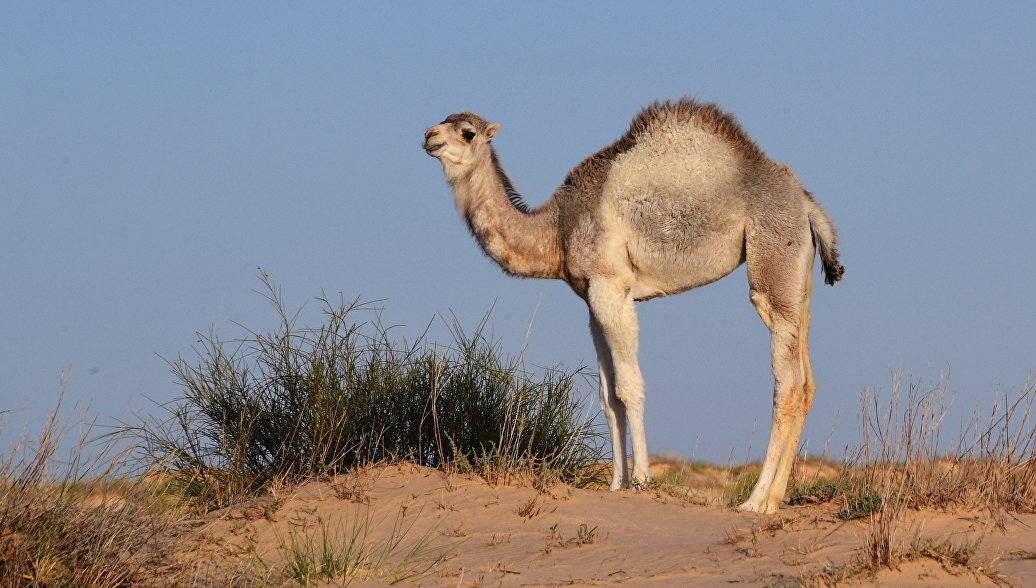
523 242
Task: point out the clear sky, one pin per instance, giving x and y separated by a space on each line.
153 155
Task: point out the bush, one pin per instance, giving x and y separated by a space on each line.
308 401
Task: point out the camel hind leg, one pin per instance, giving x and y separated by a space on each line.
780 292
789 449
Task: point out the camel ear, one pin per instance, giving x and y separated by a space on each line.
491 130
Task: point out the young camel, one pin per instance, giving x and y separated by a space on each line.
680 200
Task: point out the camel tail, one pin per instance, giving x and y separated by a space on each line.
825 237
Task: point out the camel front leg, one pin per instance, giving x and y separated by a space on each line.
614 410
611 306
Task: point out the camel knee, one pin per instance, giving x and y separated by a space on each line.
631 397
629 388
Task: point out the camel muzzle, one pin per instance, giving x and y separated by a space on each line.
429 146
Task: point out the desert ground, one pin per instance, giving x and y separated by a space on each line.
460 530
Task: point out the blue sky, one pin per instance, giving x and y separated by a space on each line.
154 155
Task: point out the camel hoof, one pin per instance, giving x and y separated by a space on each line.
763 508
639 484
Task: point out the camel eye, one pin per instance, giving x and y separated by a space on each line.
468 135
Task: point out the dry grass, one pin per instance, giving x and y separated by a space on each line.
81 524
532 508
343 554
901 464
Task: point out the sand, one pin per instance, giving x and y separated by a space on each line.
518 535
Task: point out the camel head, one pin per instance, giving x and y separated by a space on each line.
460 142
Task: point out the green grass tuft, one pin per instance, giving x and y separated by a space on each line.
300 402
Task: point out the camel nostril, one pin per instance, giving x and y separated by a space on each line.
430 133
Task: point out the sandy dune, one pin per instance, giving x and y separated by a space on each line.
575 536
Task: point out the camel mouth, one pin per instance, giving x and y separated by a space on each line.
433 148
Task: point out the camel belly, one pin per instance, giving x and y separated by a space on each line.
662 269
676 240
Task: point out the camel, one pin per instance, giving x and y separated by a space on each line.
680 200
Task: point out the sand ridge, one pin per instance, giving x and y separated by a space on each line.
518 535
